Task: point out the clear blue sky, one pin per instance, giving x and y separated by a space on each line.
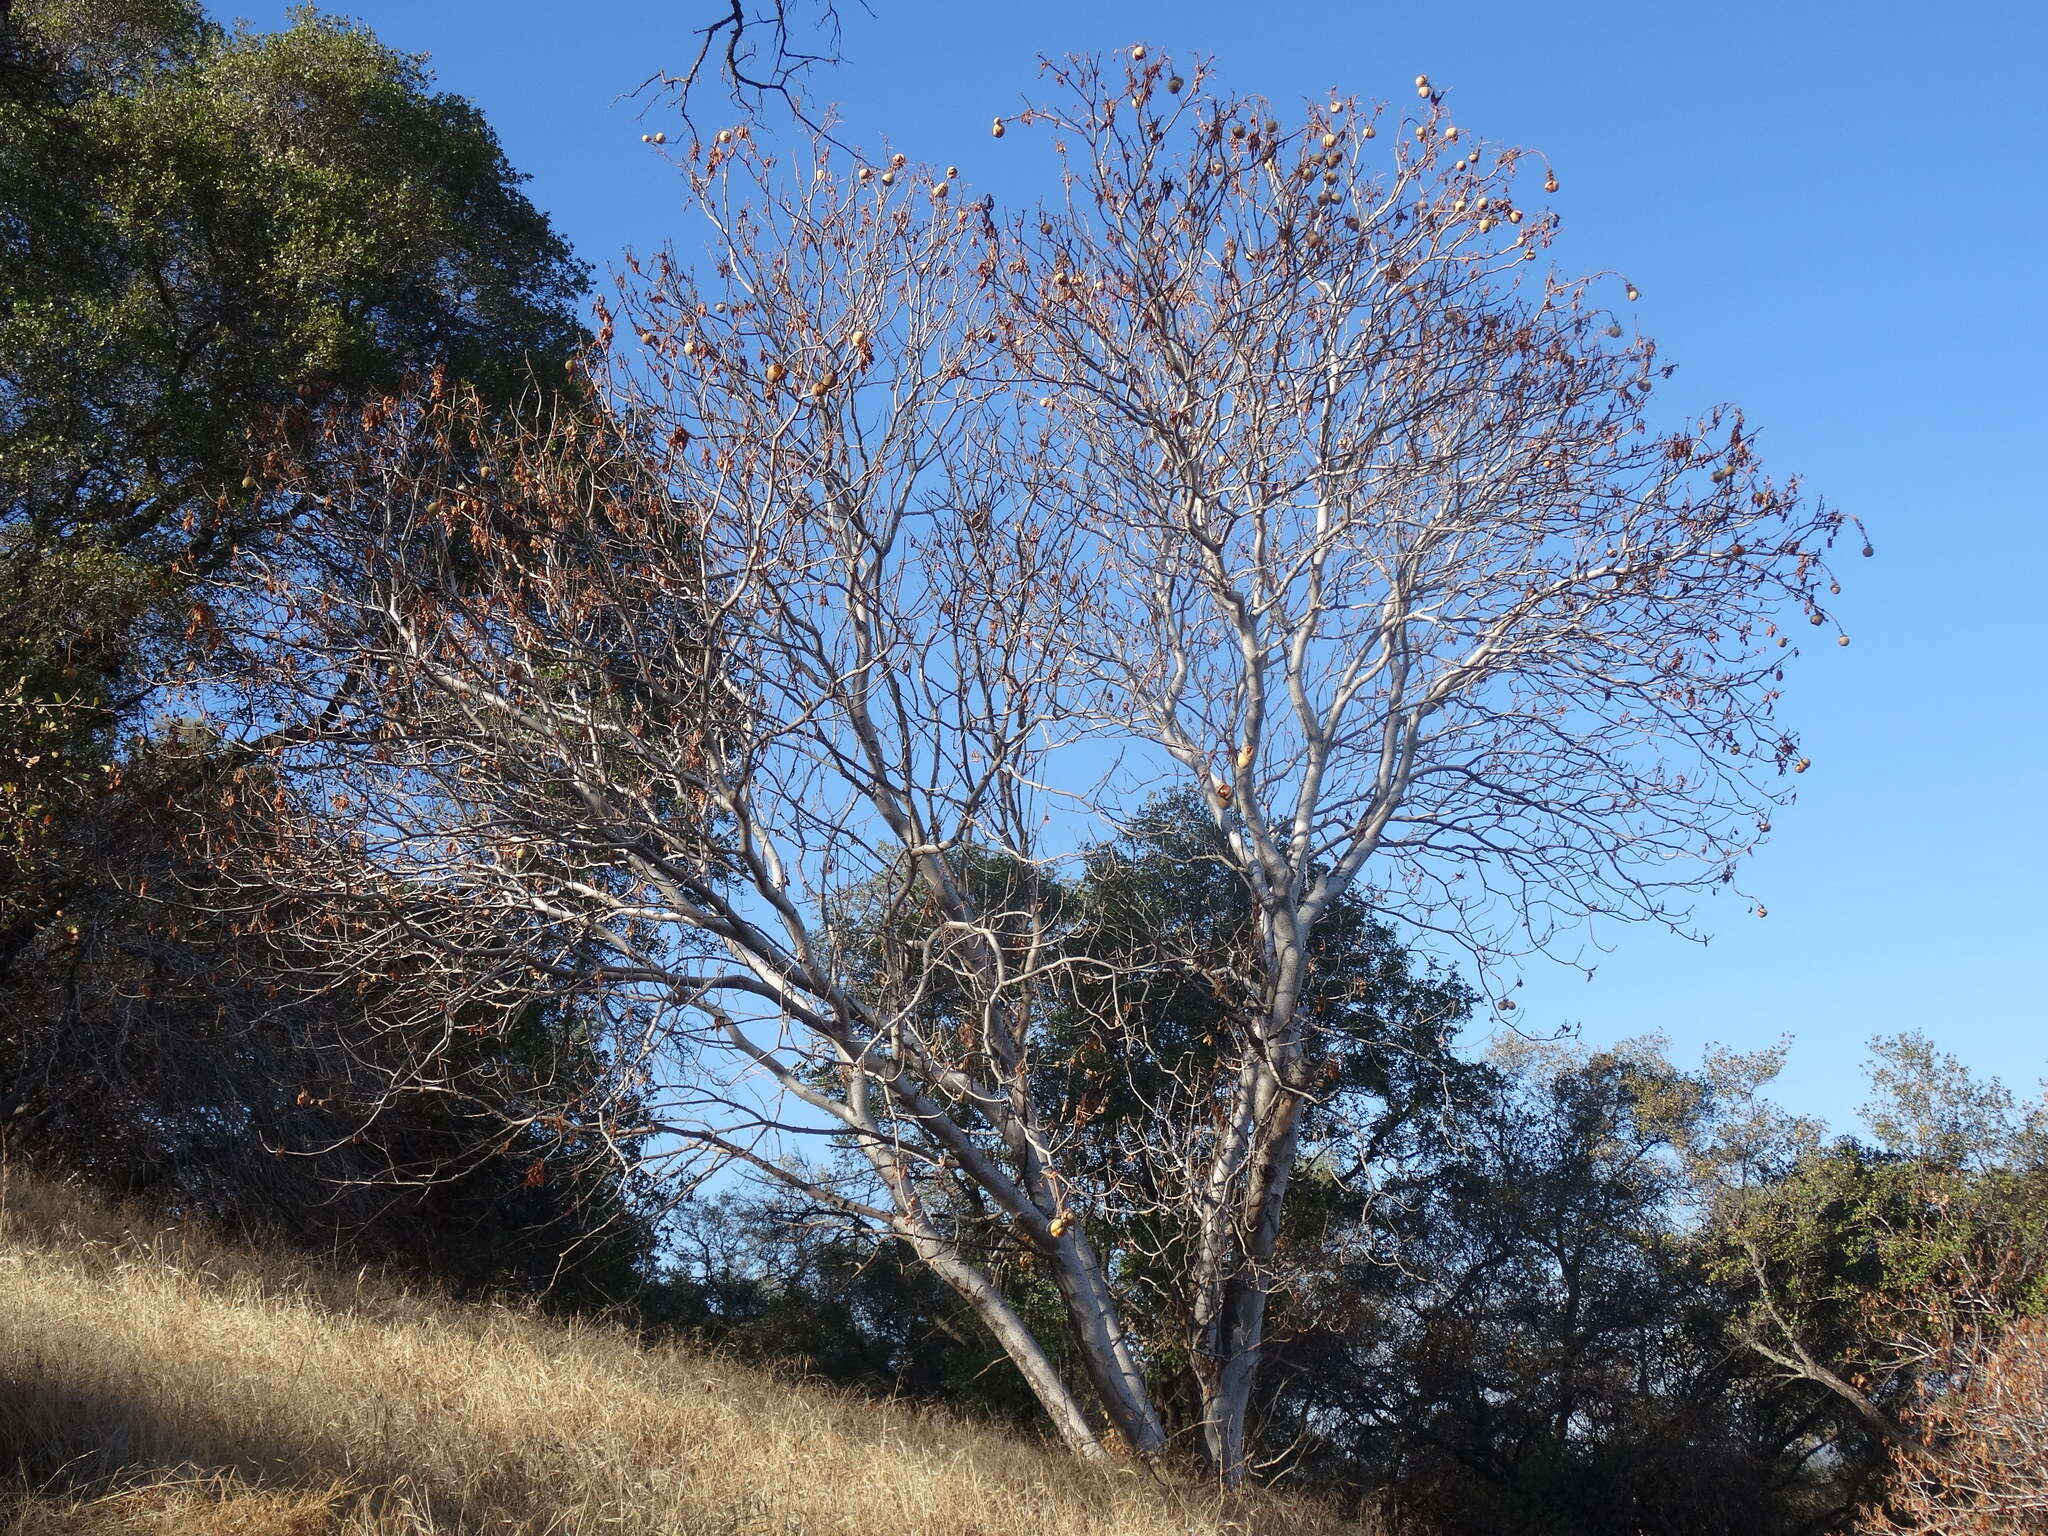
1835 212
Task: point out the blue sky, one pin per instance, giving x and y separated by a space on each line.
1834 211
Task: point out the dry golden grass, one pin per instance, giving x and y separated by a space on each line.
159 1381
190 1505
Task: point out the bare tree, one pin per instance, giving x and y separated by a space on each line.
1393 564
923 550
757 52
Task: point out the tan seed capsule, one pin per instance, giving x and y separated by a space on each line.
1421 81
725 135
661 138
996 128
1550 183
1514 215
646 138
1138 52
1175 84
896 161
1368 132
888 178
775 373
1329 141
939 192
1485 225
864 173
1633 292
1422 90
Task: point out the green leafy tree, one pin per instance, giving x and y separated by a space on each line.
204 235
1535 1342
209 239
1876 1268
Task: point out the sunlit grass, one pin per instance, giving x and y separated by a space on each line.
155 1379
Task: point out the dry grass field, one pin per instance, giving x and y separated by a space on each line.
156 1380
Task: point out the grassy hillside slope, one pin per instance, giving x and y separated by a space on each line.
155 1380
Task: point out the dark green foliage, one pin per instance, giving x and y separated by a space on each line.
201 230
1539 1346
206 239
1171 923
203 235
1379 1071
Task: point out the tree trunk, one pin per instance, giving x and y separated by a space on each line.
1061 1405
1105 1348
